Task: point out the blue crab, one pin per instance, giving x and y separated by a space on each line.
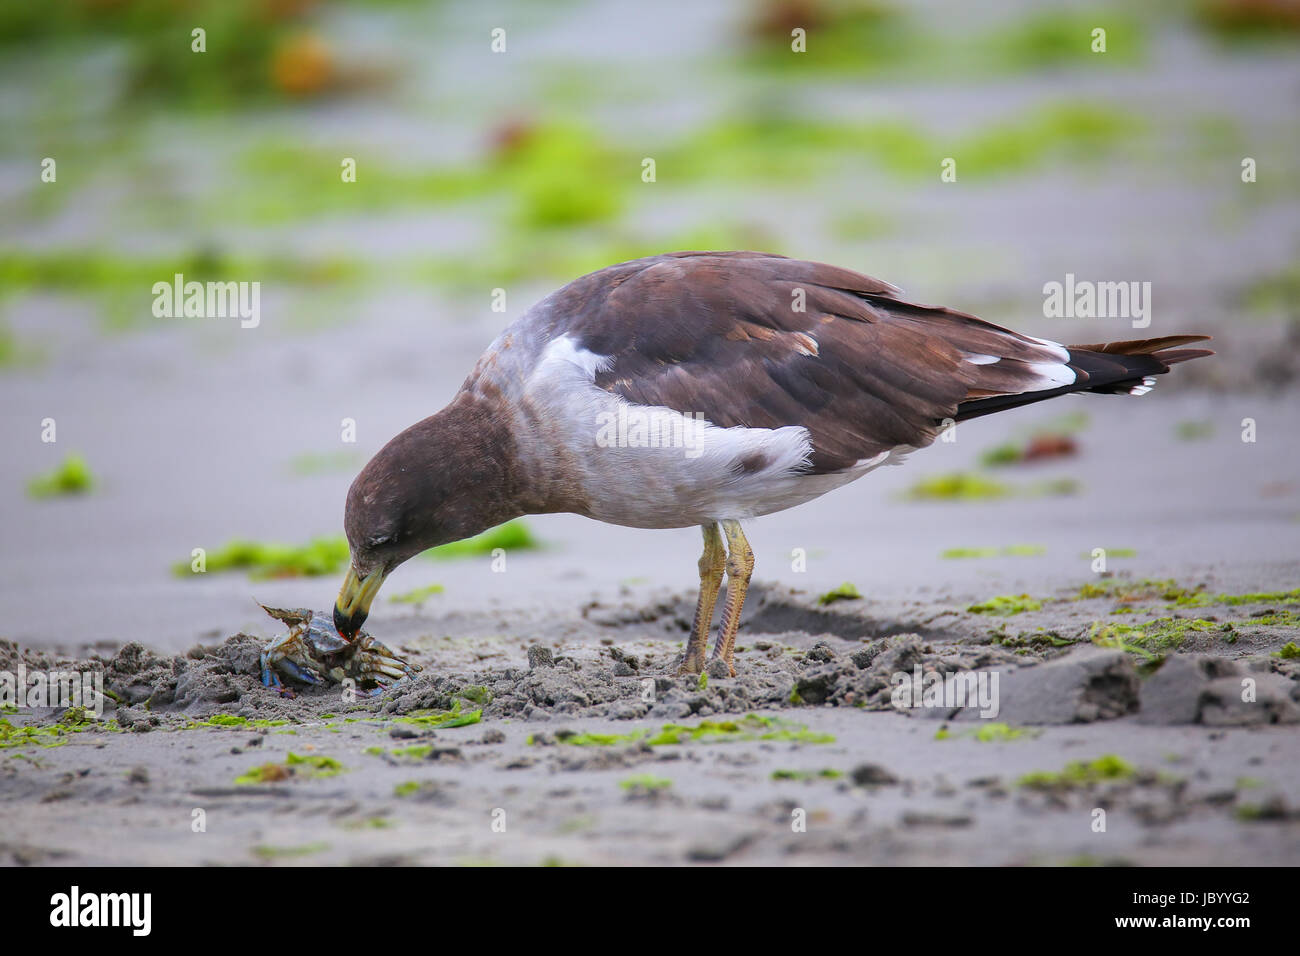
314 653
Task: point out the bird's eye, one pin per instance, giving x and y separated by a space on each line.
379 539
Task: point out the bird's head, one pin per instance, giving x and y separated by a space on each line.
391 515
423 489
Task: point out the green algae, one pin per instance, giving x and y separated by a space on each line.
295 766
27 736
324 463
267 852
10 351
1177 595
369 823
750 727
475 694
314 764
90 272
1080 773
1112 553
987 733
234 720
564 175
442 719
76 717
598 739
1280 597
845 592
967 486
75 721
1142 589
871 39
1194 431
417 595
827 774
290 181
645 782
956 554
1005 605
1158 636
71 477
320 556
411 752
552 174
1260 812
958 486
1276 292
511 536
224 720
1005 454
1024 550
1006 551
1061 37
1036 640
1067 132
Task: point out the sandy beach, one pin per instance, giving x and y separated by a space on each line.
1200 775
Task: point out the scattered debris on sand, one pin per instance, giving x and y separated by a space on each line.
615 663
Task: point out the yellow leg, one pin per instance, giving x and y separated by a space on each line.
740 566
712 562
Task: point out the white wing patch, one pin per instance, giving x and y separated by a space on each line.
1052 375
564 349
1049 374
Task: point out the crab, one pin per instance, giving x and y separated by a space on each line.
314 653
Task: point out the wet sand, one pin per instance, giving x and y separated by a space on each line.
801 758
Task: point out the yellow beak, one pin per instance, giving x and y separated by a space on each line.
353 604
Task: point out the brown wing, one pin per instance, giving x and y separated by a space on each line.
763 341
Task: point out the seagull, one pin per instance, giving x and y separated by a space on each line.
703 388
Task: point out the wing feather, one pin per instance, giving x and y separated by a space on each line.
756 340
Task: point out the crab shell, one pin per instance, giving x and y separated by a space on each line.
313 652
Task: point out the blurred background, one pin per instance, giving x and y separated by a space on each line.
522 168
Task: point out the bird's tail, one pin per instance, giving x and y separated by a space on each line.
1109 369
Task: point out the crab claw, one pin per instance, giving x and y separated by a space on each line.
271 679
298 673
273 661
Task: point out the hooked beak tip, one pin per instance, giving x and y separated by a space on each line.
343 624
353 604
